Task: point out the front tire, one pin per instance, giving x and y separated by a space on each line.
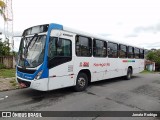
81 82
129 74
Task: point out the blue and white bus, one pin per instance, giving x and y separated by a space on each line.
53 56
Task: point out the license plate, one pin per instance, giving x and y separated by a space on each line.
22 85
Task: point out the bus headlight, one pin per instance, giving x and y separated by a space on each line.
39 74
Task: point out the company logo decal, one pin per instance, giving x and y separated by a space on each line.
84 64
101 64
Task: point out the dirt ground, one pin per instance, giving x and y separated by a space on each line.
8 84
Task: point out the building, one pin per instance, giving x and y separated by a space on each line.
149 65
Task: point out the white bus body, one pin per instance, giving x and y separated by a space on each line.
95 68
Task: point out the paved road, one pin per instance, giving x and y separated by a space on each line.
142 93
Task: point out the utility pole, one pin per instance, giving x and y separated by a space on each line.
8 21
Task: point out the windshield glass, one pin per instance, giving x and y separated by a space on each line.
31 51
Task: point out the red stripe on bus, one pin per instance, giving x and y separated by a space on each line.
71 74
125 60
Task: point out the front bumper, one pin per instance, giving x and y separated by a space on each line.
40 84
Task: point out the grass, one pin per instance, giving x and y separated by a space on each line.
146 71
7 73
12 81
14 84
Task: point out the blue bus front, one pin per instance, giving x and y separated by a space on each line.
32 70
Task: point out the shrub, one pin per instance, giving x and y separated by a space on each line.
2 66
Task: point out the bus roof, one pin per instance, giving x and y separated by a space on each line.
96 36
83 33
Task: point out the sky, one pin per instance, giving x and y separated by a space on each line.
136 22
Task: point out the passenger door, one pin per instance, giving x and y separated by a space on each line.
60 62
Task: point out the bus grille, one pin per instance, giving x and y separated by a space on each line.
26 70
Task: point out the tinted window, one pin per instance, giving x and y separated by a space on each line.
99 48
130 52
112 50
136 51
62 50
83 46
36 29
122 51
141 53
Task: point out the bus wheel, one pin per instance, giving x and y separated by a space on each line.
81 82
129 74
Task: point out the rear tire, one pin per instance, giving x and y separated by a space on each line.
81 82
129 74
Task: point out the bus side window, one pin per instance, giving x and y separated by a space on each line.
52 47
83 46
64 50
137 54
141 53
122 51
99 48
112 50
130 52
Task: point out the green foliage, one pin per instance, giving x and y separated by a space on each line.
2 66
4 48
0 12
146 71
12 81
14 84
154 56
7 73
14 53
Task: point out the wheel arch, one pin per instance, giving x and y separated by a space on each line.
87 72
131 68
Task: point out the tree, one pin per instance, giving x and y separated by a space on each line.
2 6
4 48
154 55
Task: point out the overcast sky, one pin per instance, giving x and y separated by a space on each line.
132 21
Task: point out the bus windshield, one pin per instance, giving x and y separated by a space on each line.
31 51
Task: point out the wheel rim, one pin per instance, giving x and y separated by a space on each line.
81 82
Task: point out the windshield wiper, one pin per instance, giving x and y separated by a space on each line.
26 48
31 40
38 38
